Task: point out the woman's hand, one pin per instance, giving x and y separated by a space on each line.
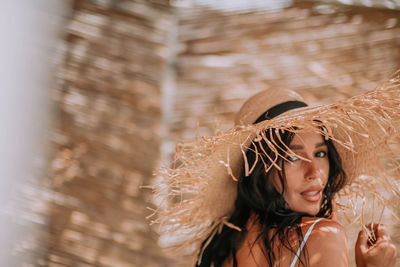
380 252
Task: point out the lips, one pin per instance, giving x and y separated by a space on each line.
312 194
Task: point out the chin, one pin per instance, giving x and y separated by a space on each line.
312 211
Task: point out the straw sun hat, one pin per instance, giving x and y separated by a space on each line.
200 188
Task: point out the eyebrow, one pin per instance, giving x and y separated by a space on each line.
298 147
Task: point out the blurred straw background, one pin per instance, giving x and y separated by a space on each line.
130 78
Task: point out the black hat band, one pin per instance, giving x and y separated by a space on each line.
279 109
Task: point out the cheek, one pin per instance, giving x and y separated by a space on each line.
293 181
276 181
324 173
325 169
293 175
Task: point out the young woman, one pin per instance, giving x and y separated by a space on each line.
262 193
281 211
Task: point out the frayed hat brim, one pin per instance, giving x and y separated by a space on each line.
200 189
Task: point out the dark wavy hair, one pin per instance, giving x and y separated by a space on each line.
257 195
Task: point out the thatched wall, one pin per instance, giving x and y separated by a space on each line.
107 134
119 73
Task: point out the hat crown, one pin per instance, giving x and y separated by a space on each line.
256 105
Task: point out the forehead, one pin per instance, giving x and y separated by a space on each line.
307 138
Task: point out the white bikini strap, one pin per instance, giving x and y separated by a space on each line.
297 256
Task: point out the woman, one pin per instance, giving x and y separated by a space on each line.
274 208
277 208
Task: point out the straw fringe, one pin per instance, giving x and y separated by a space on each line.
199 190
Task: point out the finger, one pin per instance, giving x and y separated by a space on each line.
385 250
386 246
378 232
382 233
370 234
362 241
373 227
394 252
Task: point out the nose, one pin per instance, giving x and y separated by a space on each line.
311 172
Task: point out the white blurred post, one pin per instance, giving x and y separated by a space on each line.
29 31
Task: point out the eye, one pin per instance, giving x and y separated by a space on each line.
292 158
321 154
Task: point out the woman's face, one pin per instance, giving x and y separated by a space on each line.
305 179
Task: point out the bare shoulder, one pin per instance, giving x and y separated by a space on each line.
327 243
325 228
